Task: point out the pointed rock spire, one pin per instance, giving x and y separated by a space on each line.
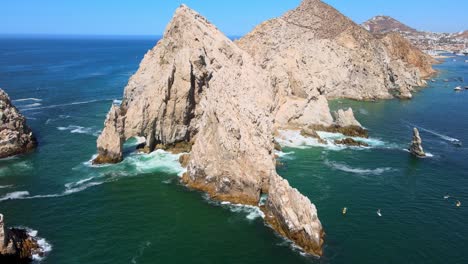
416 145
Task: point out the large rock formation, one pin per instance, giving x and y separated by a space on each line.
197 88
416 145
314 52
16 245
15 136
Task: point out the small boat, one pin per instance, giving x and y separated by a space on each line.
446 197
433 80
345 210
379 213
458 204
458 88
446 80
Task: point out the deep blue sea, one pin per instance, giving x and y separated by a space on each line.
137 212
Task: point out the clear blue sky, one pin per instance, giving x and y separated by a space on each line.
233 17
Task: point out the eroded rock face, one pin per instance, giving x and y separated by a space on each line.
416 145
198 88
111 140
314 51
16 246
15 136
345 118
294 216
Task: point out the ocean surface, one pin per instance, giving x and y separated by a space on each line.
137 212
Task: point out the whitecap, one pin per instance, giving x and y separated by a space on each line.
81 130
284 155
28 99
5 186
252 212
344 167
141 250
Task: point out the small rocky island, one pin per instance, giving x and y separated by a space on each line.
15 135
16 245
223 102
416 145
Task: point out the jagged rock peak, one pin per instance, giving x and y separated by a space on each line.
197 88
416 145
15 135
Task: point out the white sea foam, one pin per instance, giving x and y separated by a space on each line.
363 111
294 139
117 102
252 212
15 195
346 168
44 246
68 104
5 186
81 130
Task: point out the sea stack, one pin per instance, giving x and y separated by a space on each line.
15 136
416 145
198 89
16 245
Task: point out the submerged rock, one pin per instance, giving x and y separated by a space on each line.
16 245
351 142
416 145
15 135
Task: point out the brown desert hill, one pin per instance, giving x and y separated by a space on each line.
386 24
314 51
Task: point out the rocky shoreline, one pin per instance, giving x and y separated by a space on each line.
222 102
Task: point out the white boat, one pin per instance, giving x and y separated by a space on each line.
379 213
458 88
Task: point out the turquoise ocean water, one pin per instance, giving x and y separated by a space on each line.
137 212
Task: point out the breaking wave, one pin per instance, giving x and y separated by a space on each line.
294 139
81 130
133 165
44 246
346 168
251 212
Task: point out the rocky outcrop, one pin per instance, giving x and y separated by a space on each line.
16 245
196 88
293 216
314 52
351 142
345 118
416 145
111 140
15 136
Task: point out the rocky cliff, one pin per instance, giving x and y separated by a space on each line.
314 52
197 89
15 136
416 144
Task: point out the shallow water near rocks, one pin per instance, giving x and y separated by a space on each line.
137 212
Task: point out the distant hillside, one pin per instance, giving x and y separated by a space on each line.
385 24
